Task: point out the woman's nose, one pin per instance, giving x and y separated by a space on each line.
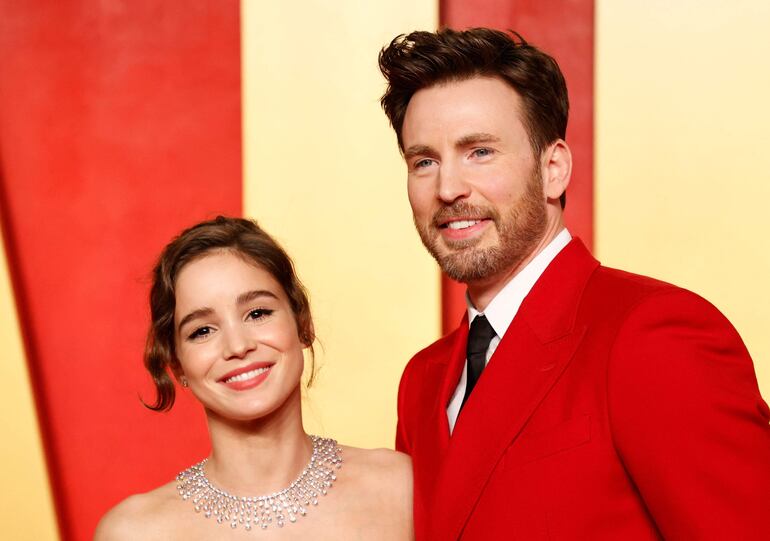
237 344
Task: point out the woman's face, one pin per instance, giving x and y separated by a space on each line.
236 336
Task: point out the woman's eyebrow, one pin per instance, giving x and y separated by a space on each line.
249 296
195 314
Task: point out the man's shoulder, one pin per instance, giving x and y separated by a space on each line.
618 279
626 289
438 350
616 297
631 299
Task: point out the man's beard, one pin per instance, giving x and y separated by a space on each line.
519 231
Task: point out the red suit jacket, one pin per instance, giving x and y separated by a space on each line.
615 407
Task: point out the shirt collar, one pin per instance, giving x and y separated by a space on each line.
504 306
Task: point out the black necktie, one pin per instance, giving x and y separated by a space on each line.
479 337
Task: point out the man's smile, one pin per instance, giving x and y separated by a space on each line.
463 228
461 224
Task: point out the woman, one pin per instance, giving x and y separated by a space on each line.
230 321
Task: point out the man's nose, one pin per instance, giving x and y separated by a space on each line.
452 184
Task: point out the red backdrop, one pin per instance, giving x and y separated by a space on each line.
119 124
565 30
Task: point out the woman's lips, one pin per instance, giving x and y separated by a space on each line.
246 377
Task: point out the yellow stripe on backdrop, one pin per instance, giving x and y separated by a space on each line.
26 505
323 175
683 167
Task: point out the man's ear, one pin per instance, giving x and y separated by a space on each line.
556 165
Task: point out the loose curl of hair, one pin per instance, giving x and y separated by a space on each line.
244 238
424 59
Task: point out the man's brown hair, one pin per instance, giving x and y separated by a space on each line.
424 59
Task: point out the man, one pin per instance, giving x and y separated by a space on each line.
574 401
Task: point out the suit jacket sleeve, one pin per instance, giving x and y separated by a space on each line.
688 421
404 412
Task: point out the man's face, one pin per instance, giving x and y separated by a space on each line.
474 183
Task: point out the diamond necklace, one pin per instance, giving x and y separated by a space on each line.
277 507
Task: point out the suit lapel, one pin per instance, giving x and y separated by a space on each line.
534 352
453 372
518 377
440 380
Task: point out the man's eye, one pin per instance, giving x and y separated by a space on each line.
259 313
200 333
481 152
423 163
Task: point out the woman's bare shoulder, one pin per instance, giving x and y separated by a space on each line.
381 481
142 516
377 458
383 466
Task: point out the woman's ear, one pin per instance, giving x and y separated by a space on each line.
176 369
308 337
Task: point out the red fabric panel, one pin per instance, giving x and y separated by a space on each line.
119 125
565 30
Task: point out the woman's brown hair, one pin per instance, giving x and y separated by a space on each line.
239 235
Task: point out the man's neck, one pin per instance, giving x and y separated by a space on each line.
481 292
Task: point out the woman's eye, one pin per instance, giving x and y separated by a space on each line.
259 313
200 333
